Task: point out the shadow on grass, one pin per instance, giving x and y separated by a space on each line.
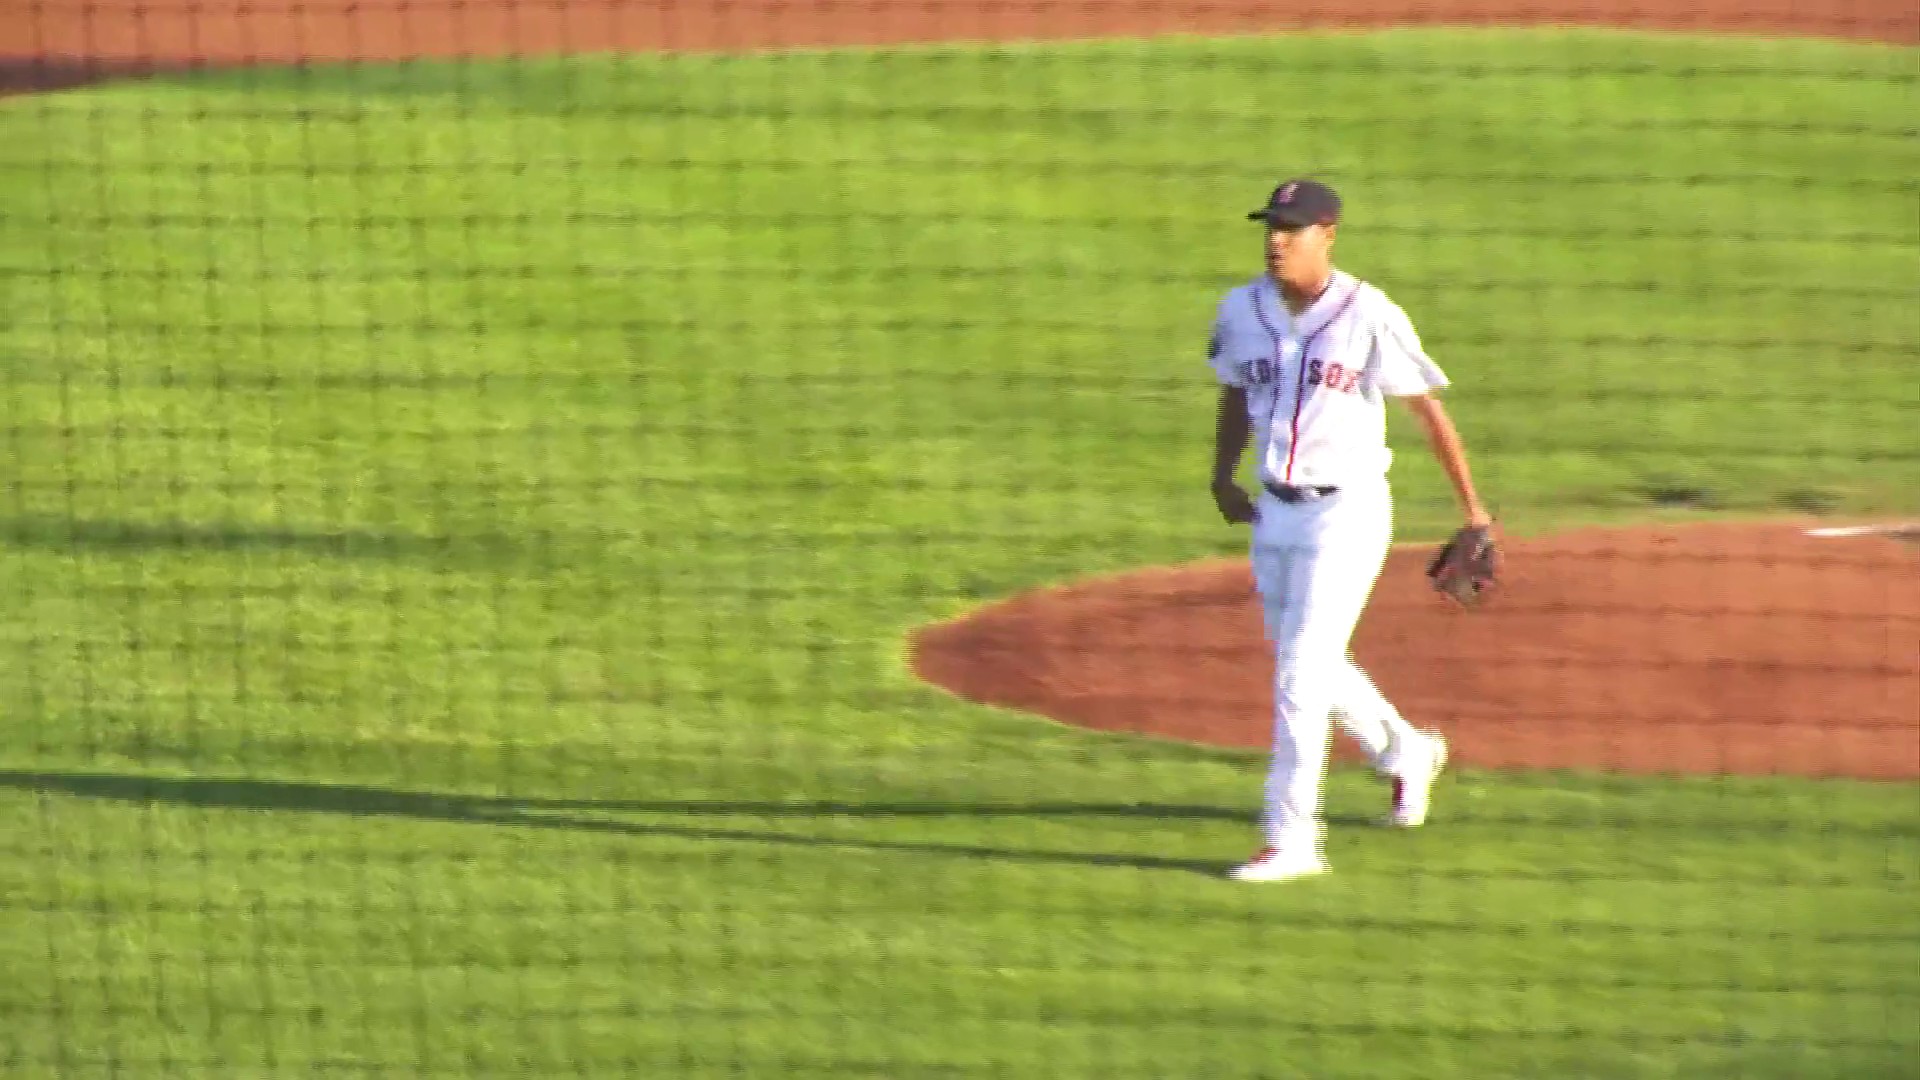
45 74
361 801
130 537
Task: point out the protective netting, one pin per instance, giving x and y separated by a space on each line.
549 539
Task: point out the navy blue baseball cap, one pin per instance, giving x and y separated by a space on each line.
1299 203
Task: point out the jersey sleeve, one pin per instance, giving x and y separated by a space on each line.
1219 350
1402 366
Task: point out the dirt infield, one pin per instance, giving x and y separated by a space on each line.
1735 650
45 44
1708 649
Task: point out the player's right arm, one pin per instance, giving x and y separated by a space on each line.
1231 426
1230 431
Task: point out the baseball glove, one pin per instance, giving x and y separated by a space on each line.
1467 565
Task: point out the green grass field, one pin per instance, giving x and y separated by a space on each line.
461 523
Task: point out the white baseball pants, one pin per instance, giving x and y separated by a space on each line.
1315 564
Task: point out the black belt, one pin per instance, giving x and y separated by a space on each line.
1289 493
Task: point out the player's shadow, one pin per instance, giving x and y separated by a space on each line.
362 801
139 538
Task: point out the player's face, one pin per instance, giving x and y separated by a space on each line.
1300 254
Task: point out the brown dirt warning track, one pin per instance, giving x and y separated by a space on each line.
1711 649
46 44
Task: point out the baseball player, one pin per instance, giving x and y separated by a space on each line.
1306 356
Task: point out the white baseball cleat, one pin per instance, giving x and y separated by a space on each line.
1413 787
1274 865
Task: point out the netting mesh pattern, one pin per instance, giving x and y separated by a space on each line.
673 539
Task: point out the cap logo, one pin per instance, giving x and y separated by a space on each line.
1286 193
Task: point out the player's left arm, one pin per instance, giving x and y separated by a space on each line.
1405 371
1444 438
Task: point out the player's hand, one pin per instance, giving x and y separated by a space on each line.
1233 503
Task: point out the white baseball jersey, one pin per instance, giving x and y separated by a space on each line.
1317 384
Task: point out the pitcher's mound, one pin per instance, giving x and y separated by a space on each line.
1699 649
